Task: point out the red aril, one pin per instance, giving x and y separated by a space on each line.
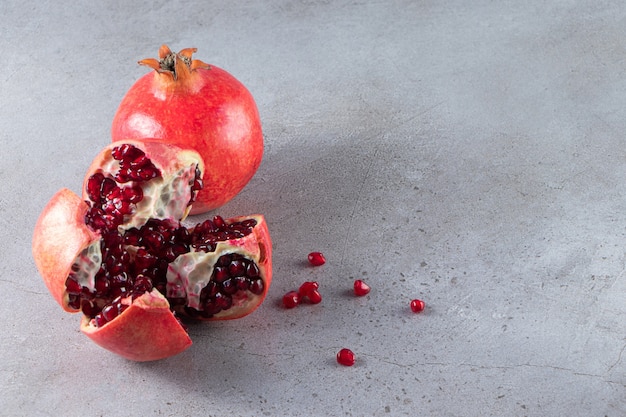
190 104
345 357
361 288
122 257
417 306
314 297
307 287
291 299
316 258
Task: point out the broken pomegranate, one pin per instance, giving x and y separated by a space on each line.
417 306
122 257
188 103
316 258
361 288
345 357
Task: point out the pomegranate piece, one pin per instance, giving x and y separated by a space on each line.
187 103
417 306
361 288
316 258
123 258
291 299
345 357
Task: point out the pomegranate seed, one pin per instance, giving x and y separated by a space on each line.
345 357
314 297
257 286
307 287
361 288
291 299
316 258
417 306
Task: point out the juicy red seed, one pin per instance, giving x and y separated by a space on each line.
314 297
220 274
94 187
224 301
72 287
109 312
291 299
142 284
417 306
219 222
257 286
88 308
361 288
102 286
132 194
252 270
345 357
229 286
236 268
316 258
241 283
307 287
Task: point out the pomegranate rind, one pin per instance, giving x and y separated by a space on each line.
60 235
146 331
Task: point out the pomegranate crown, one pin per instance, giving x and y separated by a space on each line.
177 66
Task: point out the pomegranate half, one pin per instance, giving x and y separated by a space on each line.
190 104
122 257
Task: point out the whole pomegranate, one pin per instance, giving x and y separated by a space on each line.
190 104
122 257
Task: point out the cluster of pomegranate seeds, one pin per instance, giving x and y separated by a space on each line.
134 164
316 258
232 273
205 235
345 357
417 306
110 202
308 291
361 288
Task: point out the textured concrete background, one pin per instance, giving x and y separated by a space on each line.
469 153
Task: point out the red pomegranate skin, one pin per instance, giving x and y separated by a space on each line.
203 108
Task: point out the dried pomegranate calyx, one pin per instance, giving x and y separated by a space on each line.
177 67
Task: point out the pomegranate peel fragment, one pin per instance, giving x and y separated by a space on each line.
147 318
60 234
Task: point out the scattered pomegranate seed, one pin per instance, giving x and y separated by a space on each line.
361 288
417 306
314 297
345 357
306 288
316 258
291 299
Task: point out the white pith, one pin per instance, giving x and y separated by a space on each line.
87 265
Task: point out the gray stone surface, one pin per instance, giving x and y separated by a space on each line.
469 153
